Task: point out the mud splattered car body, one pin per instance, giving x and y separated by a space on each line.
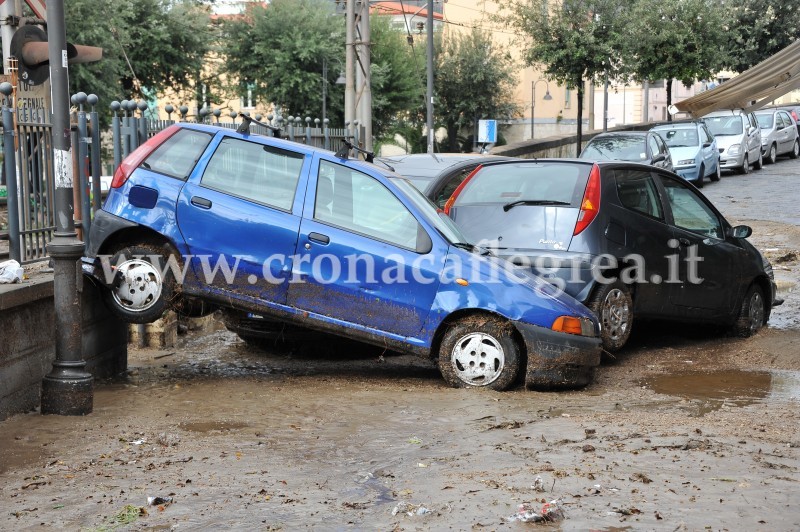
201 216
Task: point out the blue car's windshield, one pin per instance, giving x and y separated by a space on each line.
442 223
679 137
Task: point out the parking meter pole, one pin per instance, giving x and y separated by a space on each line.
10 168
94 125
68 388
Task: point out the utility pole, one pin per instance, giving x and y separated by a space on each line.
363 76
67 389
349 87
429 92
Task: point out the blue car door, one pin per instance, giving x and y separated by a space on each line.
240 218
362 256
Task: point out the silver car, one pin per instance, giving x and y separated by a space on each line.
778 134
738 139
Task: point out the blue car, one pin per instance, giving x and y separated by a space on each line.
693 149
201 217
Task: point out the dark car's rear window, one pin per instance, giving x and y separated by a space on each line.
557 182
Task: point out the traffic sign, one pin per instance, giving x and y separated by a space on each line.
487 131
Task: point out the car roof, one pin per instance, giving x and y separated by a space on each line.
677 125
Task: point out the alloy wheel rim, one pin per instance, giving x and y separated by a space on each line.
478 359
139 286
616 314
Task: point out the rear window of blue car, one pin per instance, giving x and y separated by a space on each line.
177 156
551 182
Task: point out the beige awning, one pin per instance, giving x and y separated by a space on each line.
768 80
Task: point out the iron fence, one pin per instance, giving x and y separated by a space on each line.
28 158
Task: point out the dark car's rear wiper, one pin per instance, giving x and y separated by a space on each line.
509 206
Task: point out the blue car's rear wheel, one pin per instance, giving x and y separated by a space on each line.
480 352
143 285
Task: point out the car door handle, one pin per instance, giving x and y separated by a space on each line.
203 203
319 238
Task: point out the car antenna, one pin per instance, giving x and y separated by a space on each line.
244 127
345 150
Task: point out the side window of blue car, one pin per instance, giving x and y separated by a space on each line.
360 203
255 172
177 155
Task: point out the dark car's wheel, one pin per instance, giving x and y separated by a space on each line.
745 169
795 153
613 305
143 286
752 313
700 176
480 351
717 174
759 164
772 155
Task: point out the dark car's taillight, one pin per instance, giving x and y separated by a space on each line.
452 199
138 155
590 204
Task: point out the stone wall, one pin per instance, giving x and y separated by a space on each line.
27 341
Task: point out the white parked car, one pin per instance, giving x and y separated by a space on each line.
738 139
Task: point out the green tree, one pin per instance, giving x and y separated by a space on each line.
681 39
474 79
397 85
162 42
279 50
758 30
574 41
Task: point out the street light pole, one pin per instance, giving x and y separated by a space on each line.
546 97
429 91
67 389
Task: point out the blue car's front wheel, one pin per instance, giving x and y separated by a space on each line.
143 285
480 351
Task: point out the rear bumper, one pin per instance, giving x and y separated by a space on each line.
558 360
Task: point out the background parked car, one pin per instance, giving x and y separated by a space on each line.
564 218
778 134
693 149
738 139
793 109
636 146
437 175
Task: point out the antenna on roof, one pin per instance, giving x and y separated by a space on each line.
244 127
344 151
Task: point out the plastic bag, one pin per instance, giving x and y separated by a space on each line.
10 272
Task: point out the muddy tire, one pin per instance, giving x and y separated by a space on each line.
752 314
613 305
480 352
143 287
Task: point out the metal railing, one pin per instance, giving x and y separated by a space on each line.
28 158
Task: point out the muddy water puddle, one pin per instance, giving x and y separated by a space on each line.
709 391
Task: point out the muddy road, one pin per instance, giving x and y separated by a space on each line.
687 429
